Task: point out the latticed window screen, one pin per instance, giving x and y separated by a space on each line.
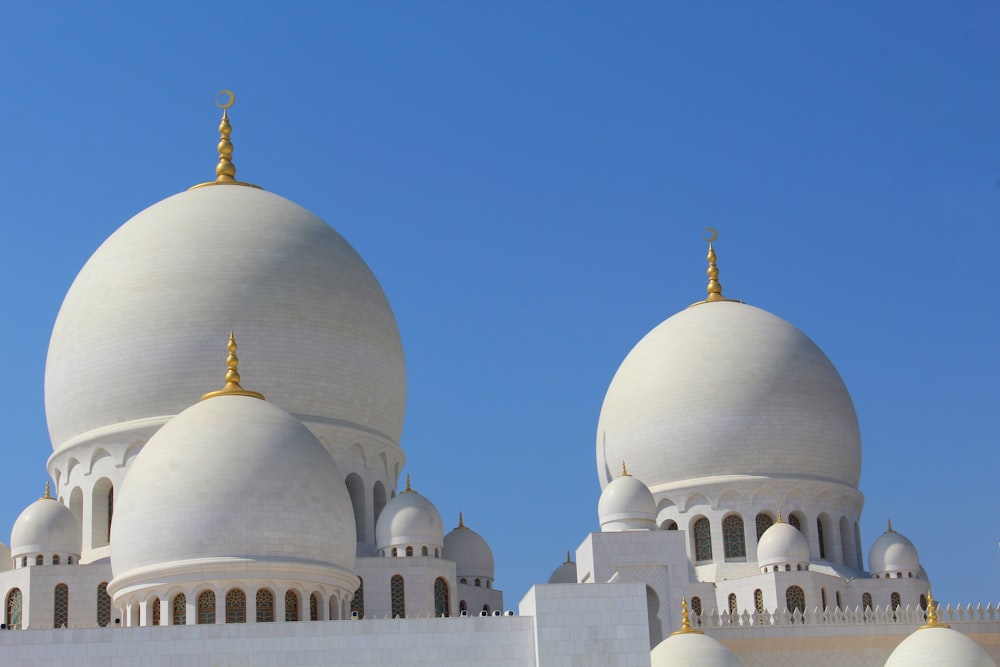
313 607
103 605
866 600
758 601
358 601
442 607
820 537
265 606
702 540
14 602
236 606
894 601
732 604
206 608
795 599
179 609
291 606
156 611
733 539
764 521
397 597
696 605
794 520
60 606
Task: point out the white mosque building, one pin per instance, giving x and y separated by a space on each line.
728 451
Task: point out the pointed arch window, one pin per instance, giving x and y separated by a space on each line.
265 606
314 607
702 540
236 606
763 522
156 611
13 609
206 608
442 605
822 541
179 610
103 605
734 540
866 601
397 597
696 609
291 606
358 601
60 604
732 605
795 599
794 520
758 601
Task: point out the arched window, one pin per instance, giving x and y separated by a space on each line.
463 605
442 606
101 508
669 524
236 606
437 552
702 540
794 520
894 601
291 606
696 609
39 559
866 601
463 580
397 597
356 489
60 606
923 602
478 581
822 597
156 611
734 543
839 603
69 560
763 522
55 559
358 601
820 536
103 605
179 610
24 562
795 599
758 601
206 608
409 552
486 608
732 604
423 551
13 606
313 607
394 552
265 606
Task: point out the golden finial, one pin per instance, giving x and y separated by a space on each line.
232 387
932 620
890 530
225 170
625 470
407 489
686 621
47 496
461 521
714 286
569 559
779 517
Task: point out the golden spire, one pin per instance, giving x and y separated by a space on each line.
47 496
932 621
461 521
569 559
889 529
686 621
407 489
225 170
624 471
779 517
714 286
232 387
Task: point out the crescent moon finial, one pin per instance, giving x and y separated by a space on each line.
712 234
229 97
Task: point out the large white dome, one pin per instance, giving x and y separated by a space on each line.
939 646
232 479
725 389
133 342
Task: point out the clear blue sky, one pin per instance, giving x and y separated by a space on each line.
530 181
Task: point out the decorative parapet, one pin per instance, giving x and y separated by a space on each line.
901 616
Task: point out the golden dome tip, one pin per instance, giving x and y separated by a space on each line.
232 386
225 170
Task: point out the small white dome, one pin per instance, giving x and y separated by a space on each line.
939 646
409 519
232 478
565 573
724 389
469 551
893 553
782 544
46 526
626 504
692 648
